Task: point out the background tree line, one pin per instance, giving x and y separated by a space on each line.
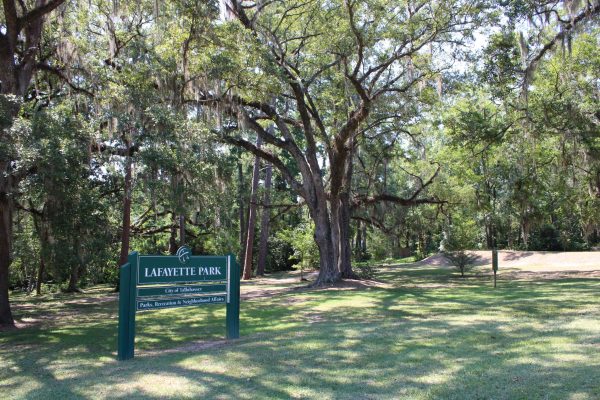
293 132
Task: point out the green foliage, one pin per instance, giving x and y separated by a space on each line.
361 255
460 234
462 260
280 255
501 63
546 238
519 156
68 226
300 238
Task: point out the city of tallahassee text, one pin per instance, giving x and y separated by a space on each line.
181 271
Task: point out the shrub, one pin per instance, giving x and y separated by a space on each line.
301 240
462 260
280 256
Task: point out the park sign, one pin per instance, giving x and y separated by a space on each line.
149 282
170 269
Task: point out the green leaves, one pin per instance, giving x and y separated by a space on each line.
501 63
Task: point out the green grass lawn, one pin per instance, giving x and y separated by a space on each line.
427 334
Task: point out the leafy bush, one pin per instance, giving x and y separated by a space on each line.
280 256
462 260
546 238
300 238
460 234
549 237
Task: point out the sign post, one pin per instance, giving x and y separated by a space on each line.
232 315
495 264
157 282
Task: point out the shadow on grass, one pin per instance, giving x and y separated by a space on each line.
461 341
512 256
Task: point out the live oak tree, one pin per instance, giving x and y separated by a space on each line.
63 197
318 70
518 183
21 30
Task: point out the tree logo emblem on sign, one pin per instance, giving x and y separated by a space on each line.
183 253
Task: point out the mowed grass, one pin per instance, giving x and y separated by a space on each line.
426 334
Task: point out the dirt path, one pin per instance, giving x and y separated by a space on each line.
534 261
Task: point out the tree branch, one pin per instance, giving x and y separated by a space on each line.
37 12
267 156
588 12
61 76
410 201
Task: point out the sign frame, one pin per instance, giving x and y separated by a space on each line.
174 265
218 289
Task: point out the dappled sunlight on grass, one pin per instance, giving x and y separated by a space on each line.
428 335
21 384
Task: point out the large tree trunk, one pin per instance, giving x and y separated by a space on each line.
334 207
345 247
6 199
73 279
40 276
341 181
6 207
264 224
340 227
252 216
345 253
6 318
328 271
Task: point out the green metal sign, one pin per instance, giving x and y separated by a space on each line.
171 269
180 290
144 286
